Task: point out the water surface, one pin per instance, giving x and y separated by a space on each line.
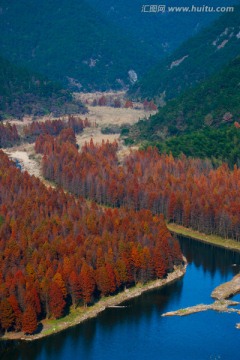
139 332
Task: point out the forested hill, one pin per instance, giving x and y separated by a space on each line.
25 93
213 103
194 61
219 145
161 32
70 41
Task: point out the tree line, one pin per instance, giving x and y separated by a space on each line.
189 192
219 145
9 135
54 127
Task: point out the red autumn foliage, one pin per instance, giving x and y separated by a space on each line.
29 320
149 105
56 301
87 283
7 316
54 127
128 104
102 101
237 125
8 135
17 312
189 192
58 250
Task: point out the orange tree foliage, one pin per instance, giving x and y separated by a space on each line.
8 135
29 320
187 191
6 314
54 127
57 250
56 301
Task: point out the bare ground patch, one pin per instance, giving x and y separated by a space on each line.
99 117
26 157
106 115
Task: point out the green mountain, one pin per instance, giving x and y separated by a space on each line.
219 145
194 61
211 104
26 93
160 32
71 42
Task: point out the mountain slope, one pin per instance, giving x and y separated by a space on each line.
160 32
194 61
68 40
26 93
220 144
213 103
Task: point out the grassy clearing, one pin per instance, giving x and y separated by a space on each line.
210 239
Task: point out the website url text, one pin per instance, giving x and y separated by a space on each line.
185 9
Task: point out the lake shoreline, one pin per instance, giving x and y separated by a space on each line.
222 293
80 315
215 240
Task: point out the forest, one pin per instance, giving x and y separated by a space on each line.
91 228
72 43
8 135
93 44
219 145
187 191
23 92
211 104
59 251
54 127
194 61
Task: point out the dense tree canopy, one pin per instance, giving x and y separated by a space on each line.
212 103
57 250
188 191
54 127
219 145
194 60
23 92
8 135
71 42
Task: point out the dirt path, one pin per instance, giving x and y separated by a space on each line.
26 157
28 160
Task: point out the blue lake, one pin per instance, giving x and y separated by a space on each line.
139 332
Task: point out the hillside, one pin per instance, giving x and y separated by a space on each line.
194 61
160 32
211 104
71 42
219 145
25 93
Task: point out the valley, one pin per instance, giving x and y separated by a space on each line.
99 116
119 180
